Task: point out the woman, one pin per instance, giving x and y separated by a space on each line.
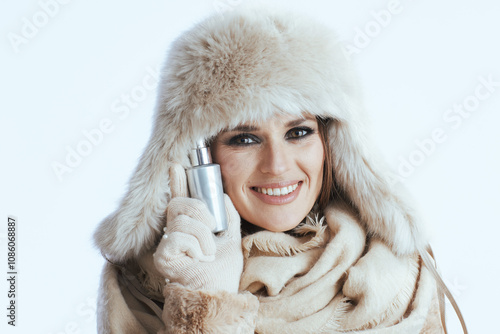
319 240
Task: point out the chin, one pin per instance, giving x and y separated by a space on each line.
276 224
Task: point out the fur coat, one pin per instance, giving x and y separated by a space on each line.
246 66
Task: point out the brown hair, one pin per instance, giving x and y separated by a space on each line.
327 191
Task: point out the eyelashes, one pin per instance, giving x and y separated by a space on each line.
247 139
242 139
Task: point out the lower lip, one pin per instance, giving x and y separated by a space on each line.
278 200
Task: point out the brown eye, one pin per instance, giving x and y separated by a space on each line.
298 133
242 140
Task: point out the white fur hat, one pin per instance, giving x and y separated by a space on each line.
248 65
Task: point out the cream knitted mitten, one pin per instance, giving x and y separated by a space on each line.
189 253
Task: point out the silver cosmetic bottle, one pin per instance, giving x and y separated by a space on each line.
205 183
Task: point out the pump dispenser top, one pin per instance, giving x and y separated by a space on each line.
201 154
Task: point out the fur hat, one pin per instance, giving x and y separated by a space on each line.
244 66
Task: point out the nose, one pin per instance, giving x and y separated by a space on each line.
274 159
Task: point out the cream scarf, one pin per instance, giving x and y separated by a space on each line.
330 279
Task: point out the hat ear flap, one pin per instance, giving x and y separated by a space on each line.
359 177
137 222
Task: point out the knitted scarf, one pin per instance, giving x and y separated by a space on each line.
331 278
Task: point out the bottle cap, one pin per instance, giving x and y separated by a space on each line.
201 154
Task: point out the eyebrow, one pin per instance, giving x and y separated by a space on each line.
244 128
290 124
298 121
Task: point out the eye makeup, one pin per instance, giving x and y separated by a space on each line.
247 135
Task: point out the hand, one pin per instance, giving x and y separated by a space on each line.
189 253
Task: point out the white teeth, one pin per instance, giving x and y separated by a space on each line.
277 191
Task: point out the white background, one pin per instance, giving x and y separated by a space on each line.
64 79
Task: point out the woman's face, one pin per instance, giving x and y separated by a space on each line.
272 171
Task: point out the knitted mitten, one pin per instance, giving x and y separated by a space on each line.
189 253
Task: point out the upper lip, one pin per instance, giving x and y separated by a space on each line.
279 184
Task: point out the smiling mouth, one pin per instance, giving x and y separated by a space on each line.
282 191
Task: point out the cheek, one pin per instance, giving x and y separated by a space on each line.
234 168
313 160
231 168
